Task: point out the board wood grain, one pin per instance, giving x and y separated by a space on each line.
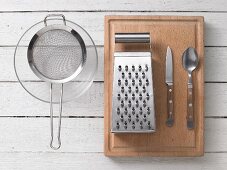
179 33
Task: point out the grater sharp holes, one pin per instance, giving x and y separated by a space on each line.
129 89
129 75
136 75
126 111
118 111
140 68
126 68
137 89
133 68
147 82
146 67
123 75
144 89
119 68
140 82
132 97
126 82
147 96
143 75
129 103
119 82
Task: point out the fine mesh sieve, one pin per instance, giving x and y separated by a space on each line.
57 58
56 54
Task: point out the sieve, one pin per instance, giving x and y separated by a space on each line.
57 55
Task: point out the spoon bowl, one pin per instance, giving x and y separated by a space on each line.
190 60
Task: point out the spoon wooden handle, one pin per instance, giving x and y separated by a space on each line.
190 108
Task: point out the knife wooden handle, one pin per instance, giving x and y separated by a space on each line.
190 108
170 118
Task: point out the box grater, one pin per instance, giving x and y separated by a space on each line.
133 101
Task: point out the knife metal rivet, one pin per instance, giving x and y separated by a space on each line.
170 90
190 104
170 101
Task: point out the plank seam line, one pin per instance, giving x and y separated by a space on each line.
71 117
113 11
59 152
96 81
102 46
92 117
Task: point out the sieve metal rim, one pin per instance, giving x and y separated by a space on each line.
36 38
15 55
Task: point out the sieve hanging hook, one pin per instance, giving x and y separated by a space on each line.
54 15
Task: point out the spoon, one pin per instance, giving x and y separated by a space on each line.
190 62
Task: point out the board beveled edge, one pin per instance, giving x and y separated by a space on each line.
199 149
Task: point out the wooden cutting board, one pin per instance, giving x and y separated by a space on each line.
178 32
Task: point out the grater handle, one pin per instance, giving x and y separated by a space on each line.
132 37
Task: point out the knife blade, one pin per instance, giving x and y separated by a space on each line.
169 83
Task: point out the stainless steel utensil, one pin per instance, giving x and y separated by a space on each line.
190 61
132 102
169 82
62 54
56 54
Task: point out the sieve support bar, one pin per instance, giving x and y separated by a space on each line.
132 37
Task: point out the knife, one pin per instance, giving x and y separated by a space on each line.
169 82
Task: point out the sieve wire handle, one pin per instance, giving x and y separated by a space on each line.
59 120
54 15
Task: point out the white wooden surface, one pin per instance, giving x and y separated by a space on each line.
24 121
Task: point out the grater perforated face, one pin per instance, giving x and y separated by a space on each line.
132 104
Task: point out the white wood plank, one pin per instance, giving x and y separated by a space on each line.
94 161
12 25
215 64
216 99
82 135
106 5
16 102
